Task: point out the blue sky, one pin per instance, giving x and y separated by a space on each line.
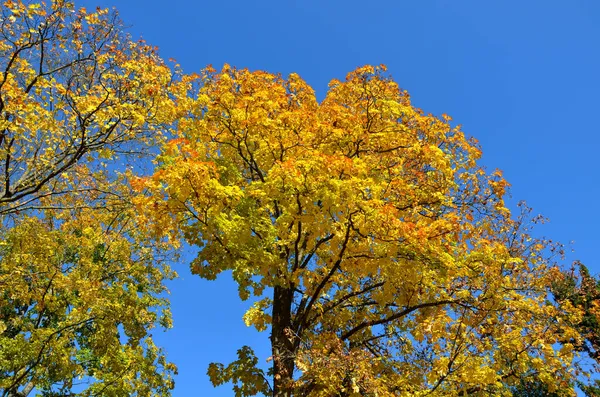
522 77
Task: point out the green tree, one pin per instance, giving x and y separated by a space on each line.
575 291
578 290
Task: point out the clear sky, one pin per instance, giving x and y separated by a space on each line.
521 76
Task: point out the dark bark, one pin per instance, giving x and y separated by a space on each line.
282 341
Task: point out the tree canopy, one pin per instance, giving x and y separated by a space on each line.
383 256
378 253
80 285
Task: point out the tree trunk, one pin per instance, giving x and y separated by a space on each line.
282 343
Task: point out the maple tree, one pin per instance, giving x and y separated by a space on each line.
80 285
381 256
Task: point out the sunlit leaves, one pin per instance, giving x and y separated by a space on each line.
81 284
394 266
72 84
247 379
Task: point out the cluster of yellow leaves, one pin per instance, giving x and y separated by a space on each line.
81 285
394 265
73 85
80 294
246 378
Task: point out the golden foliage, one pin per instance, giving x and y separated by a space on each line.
392 266
80 285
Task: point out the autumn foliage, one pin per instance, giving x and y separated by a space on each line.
375 249
80 286
384 259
